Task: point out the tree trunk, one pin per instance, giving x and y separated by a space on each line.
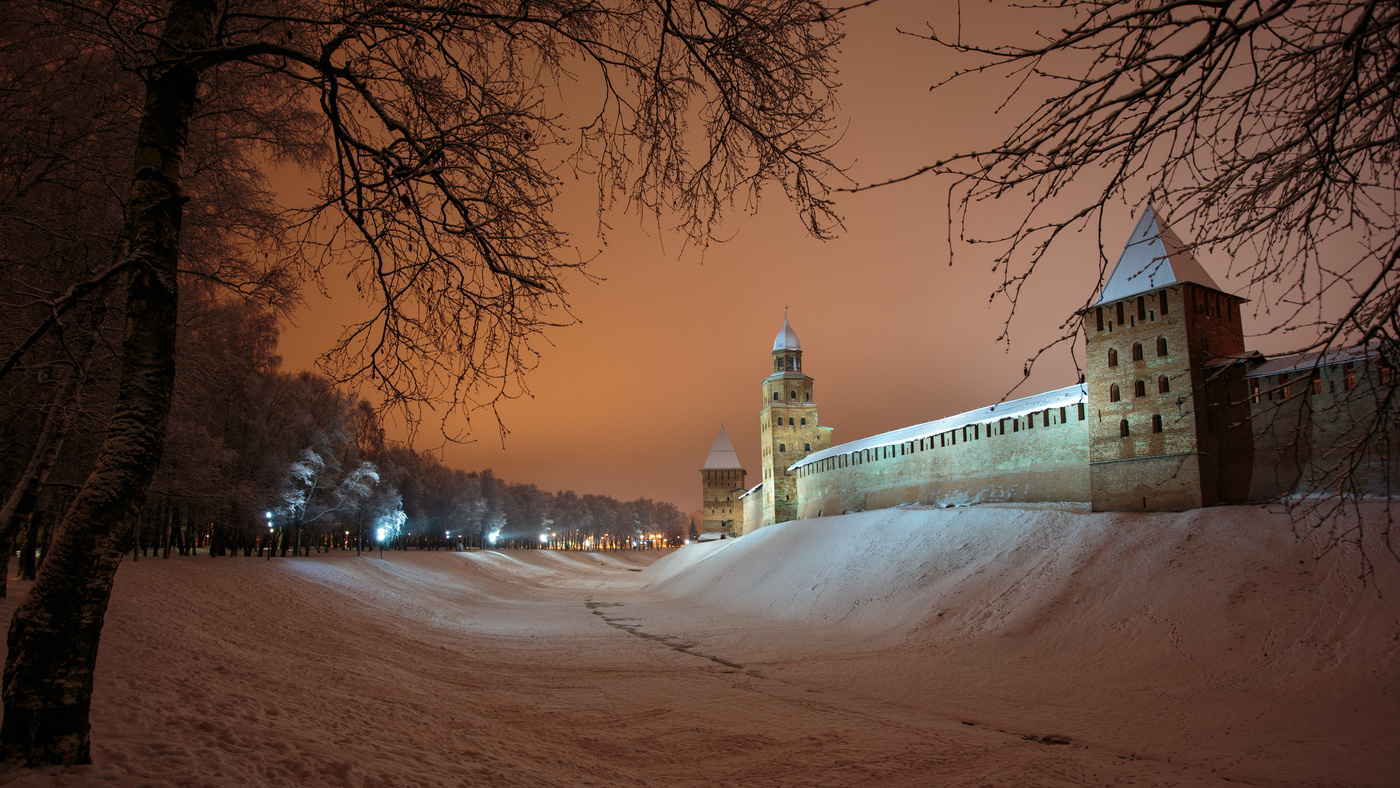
54 635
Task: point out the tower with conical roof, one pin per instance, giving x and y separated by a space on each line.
1161 339
789 428
722 482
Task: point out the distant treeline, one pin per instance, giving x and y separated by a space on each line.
257 459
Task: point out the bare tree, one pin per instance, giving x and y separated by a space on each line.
1270 129
440 135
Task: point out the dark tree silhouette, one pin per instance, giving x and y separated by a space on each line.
441 152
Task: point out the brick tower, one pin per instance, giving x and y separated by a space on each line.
722 480
1162 345
789 428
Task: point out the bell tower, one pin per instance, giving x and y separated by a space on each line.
789 428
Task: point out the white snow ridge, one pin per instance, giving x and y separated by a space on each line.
983 646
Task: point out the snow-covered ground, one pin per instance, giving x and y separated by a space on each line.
1002 646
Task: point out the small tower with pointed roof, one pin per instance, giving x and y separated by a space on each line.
789 428
722 481
1160 340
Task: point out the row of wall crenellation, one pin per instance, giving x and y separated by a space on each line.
1038 457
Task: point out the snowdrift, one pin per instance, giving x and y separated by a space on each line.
1228 634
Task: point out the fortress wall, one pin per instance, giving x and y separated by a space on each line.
1308 434
753 511
1045 462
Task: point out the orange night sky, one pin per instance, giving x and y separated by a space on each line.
628 401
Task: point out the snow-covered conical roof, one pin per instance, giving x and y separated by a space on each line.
1153 258
722 456
786 339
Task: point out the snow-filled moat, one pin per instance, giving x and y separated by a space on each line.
1004 646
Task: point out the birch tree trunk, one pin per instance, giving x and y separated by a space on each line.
53 638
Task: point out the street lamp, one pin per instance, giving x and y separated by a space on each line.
268 515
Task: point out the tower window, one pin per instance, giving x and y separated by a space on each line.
1142 308
1350 377
1140 389
1123 428
1254 391
806 447
1161 346
1385 372
790 421
1120 313
1113 395
1137 351
775 396
1164 384
793 395
803 421
1163 296
1316 383
808 396
1156 422
1098 315
1112 357
782 447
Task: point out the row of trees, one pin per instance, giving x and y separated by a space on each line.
257 459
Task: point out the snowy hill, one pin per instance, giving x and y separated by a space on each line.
1215 635
960 648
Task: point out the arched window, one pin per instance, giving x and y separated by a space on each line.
1137 351
1164 385
806 447
803 422
1163 295
808 396
1123 428
1140 388
1112 357
1156 422
790 421
775 396
1161 346
782 447
794 395
1113 395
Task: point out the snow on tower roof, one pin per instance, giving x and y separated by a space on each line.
786 339
1153 258
1059 398
722 456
